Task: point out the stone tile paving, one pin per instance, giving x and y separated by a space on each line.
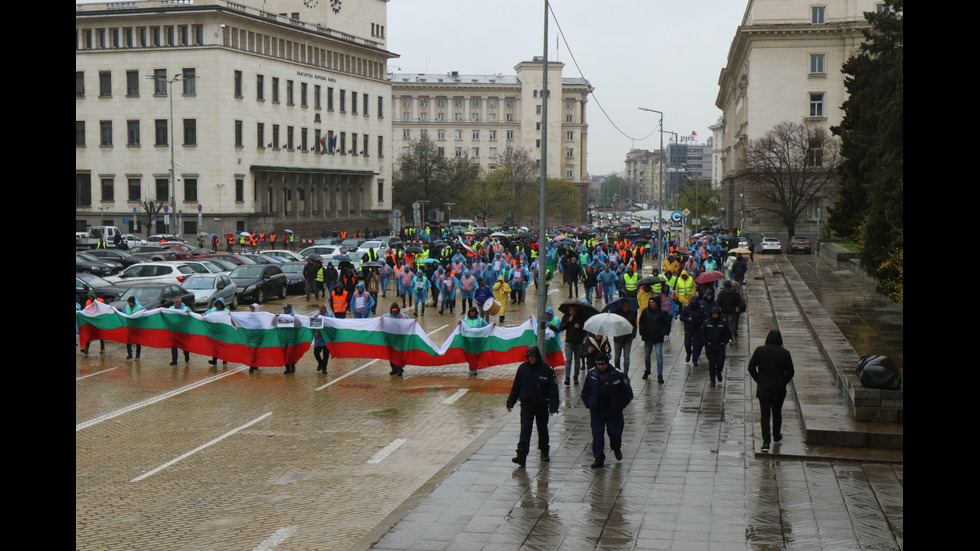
689 479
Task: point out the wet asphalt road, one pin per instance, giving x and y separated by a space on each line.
197 457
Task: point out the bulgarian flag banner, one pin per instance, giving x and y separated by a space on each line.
263 339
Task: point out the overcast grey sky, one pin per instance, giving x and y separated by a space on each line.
660 54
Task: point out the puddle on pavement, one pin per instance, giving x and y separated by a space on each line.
358 385
383 412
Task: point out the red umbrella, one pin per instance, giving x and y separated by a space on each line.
708 277
229 234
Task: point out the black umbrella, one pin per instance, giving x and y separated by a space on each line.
413 249
651 280
584 308
618 305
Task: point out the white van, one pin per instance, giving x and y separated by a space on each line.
463 223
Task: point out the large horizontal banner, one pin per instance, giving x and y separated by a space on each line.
263 339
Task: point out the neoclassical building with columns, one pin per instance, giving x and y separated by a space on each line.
267 113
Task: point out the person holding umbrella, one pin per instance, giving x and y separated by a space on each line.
623 344
573 325
606 393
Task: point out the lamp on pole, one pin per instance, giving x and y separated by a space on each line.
423 202
542 228
449 207
173 169
660 202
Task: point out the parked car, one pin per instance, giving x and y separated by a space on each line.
770 245
325 251
236 258
200 266
165 237
155 295
152 272
209 287
125 258
132 240
295 282
86 283
154 252
328 241
88 264
286 256
380 247
801 244
258 282
184 251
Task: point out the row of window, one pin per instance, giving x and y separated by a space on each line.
134 133
187 77
475 134
134 189
139 37
475 101
290 90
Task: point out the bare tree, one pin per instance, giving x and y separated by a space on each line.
151 208
789 168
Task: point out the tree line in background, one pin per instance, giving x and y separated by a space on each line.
870 209
510 194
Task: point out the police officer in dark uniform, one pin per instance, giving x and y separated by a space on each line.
537 388
606 393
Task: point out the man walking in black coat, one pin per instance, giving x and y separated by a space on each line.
771 367
606 393
536 387
716 334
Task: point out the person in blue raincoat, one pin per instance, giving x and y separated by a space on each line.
473 321
420 287
361 302
133 306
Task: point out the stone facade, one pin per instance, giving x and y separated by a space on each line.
269 82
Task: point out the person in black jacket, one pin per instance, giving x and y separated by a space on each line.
572 324
771 367
606 393
730 302
536 387
653 327
693 316
716 334
623 344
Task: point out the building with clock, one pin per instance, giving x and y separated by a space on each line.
242 115
480 117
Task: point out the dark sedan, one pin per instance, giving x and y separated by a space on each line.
296 283
155 295
86 283
87 264
115 255
258 282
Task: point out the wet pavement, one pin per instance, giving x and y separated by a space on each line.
359 459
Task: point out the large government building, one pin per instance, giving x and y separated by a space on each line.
480 117
784 65
240 114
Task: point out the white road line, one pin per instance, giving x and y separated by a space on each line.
201 447
386 451
94 374
440 329
456 396
145 403
345 375
276 538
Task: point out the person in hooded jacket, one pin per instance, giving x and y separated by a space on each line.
396 313
716 334
361 302
133 306
653 326
536 386
771 367
730 302
692 316
606 393
623 344
474 321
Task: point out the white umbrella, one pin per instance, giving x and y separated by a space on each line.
245 233
610 325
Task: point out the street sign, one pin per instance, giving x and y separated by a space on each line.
676 216
396 213
199 208
166 209
687 212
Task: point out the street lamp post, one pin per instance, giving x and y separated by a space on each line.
173 169
449 207
423 202
660 202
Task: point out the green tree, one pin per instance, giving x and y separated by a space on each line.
560 198
611 188
700 198
422 173
489 197
870 209
789 168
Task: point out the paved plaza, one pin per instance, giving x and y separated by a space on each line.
195 457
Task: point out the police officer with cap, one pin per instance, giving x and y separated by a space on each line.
606 393
536 386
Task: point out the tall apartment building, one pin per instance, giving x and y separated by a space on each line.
254 88
482 116
642 176
783 65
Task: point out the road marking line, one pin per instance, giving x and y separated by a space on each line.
440 329
201 447
145 403
386 451
456 396
276 538
94 374
345 375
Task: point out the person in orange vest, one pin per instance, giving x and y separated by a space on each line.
92 298
272 240
339 298
231 242
262 241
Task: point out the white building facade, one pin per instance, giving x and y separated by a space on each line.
784 64
255 90
480 117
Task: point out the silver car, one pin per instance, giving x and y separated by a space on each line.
209 287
